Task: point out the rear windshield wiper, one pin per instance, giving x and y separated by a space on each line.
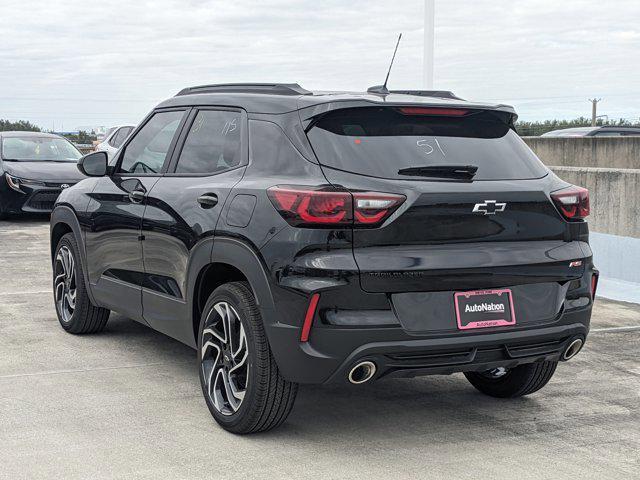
441 171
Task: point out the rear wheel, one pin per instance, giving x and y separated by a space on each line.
75 311
240 380
513 382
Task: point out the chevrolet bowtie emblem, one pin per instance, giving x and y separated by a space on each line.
489 207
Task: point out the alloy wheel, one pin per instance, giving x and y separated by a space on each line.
65 283
224 358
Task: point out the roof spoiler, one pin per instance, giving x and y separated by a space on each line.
268 88
428 93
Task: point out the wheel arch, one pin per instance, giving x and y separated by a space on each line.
231 260
63 221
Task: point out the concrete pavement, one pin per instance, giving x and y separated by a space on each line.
127 404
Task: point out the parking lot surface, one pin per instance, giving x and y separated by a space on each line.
127 404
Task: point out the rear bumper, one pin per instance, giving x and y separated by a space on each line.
451 355
414 331
332 352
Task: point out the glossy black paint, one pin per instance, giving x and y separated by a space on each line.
386 292
94 164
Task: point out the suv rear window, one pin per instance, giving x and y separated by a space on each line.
379 141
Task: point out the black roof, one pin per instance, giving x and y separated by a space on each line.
278 98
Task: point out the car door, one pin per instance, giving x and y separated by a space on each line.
114 214
182 210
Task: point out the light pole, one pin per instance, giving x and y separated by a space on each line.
429 14
594 110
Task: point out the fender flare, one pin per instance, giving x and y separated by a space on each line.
239 254
63 214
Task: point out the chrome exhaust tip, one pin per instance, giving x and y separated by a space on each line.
572 350
362 372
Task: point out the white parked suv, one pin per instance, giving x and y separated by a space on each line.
114 138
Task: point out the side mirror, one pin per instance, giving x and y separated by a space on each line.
94 164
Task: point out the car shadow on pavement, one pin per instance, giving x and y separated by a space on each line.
25 219
433 406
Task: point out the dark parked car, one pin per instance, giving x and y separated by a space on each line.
297 237
594 132
34 169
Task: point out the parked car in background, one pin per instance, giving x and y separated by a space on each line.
34 168
299 237
114 139
594 132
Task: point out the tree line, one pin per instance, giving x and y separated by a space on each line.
538 128
20 126
25 126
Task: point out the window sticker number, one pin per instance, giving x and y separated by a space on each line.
428 148
197 125
229 126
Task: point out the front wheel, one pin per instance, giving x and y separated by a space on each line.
240 380
75 311
513 382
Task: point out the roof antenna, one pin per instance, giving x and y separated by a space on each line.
382 89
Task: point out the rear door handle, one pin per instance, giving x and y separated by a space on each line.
208 200
136 196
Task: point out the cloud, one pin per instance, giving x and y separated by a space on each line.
103 63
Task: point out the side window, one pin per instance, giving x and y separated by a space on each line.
608 133
119 137
112 140
213 144
146 152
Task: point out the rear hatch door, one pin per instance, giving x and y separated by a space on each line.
488 223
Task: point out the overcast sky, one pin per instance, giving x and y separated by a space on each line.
78 62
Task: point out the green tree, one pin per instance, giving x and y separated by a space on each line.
20 125
82 137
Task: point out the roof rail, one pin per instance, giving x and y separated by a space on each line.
268 88
428 93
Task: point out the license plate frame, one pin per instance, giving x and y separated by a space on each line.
488 316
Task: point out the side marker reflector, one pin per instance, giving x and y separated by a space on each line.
594 285
308 318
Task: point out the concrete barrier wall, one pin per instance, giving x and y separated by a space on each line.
603 152
614 194
610 168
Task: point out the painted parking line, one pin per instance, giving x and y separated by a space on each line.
33 292
95 369
632 328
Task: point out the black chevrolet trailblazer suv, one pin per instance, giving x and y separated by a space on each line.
298 237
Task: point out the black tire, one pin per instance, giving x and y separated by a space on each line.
85 317
268 398
516 382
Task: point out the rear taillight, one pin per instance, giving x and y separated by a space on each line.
371 208
594 285
315 207
573 202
